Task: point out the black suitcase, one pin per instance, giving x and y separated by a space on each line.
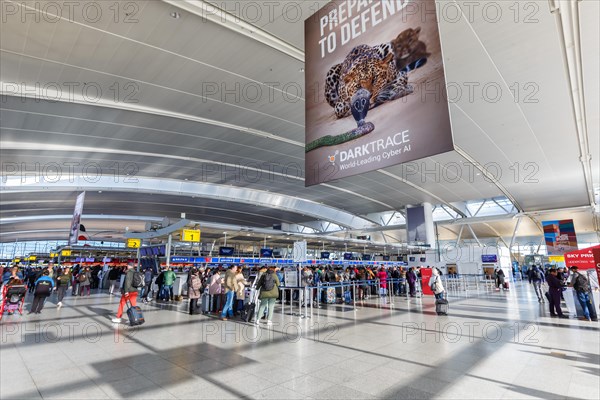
194 309
136 317
441 307
248 312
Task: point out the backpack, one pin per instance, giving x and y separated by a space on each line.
138 280
581 284
43 288
82 277
268 283
317 278
432 281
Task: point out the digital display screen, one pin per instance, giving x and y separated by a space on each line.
226 251
489 258
266 253
348 256
411 259
325 255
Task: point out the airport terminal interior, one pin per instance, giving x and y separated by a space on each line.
310 199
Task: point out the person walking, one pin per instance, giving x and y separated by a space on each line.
536 277
114 276
147 289
85 280
269 290
555 287
230 289
128 293
582 288
43 289
62 282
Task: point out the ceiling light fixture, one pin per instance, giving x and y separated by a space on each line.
175 15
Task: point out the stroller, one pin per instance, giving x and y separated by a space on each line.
13 298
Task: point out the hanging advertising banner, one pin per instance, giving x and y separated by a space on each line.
415 225
559 236
74 231
376 91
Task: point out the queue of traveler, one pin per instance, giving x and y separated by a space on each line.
227 287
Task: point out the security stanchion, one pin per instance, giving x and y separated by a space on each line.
354 295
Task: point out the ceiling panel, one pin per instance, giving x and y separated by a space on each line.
531 141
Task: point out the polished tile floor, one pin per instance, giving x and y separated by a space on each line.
493 345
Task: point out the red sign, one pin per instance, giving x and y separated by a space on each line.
583 259
425 277
596 252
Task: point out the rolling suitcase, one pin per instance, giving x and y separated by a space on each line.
194 309
136 317
250 306
248 312
506 286
347 297
330 295
206 303
441 307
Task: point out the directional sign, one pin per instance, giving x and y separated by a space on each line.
65 253
134 243
190 235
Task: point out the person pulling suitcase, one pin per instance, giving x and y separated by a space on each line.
435 283
129 293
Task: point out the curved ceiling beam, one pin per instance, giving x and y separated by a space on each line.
217 15
179 188
8 145
55 17
26 92
489 176
428 193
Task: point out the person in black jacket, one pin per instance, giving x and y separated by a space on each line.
555 286
160 281
114 276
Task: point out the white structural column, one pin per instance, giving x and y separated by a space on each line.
429 227
425 229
